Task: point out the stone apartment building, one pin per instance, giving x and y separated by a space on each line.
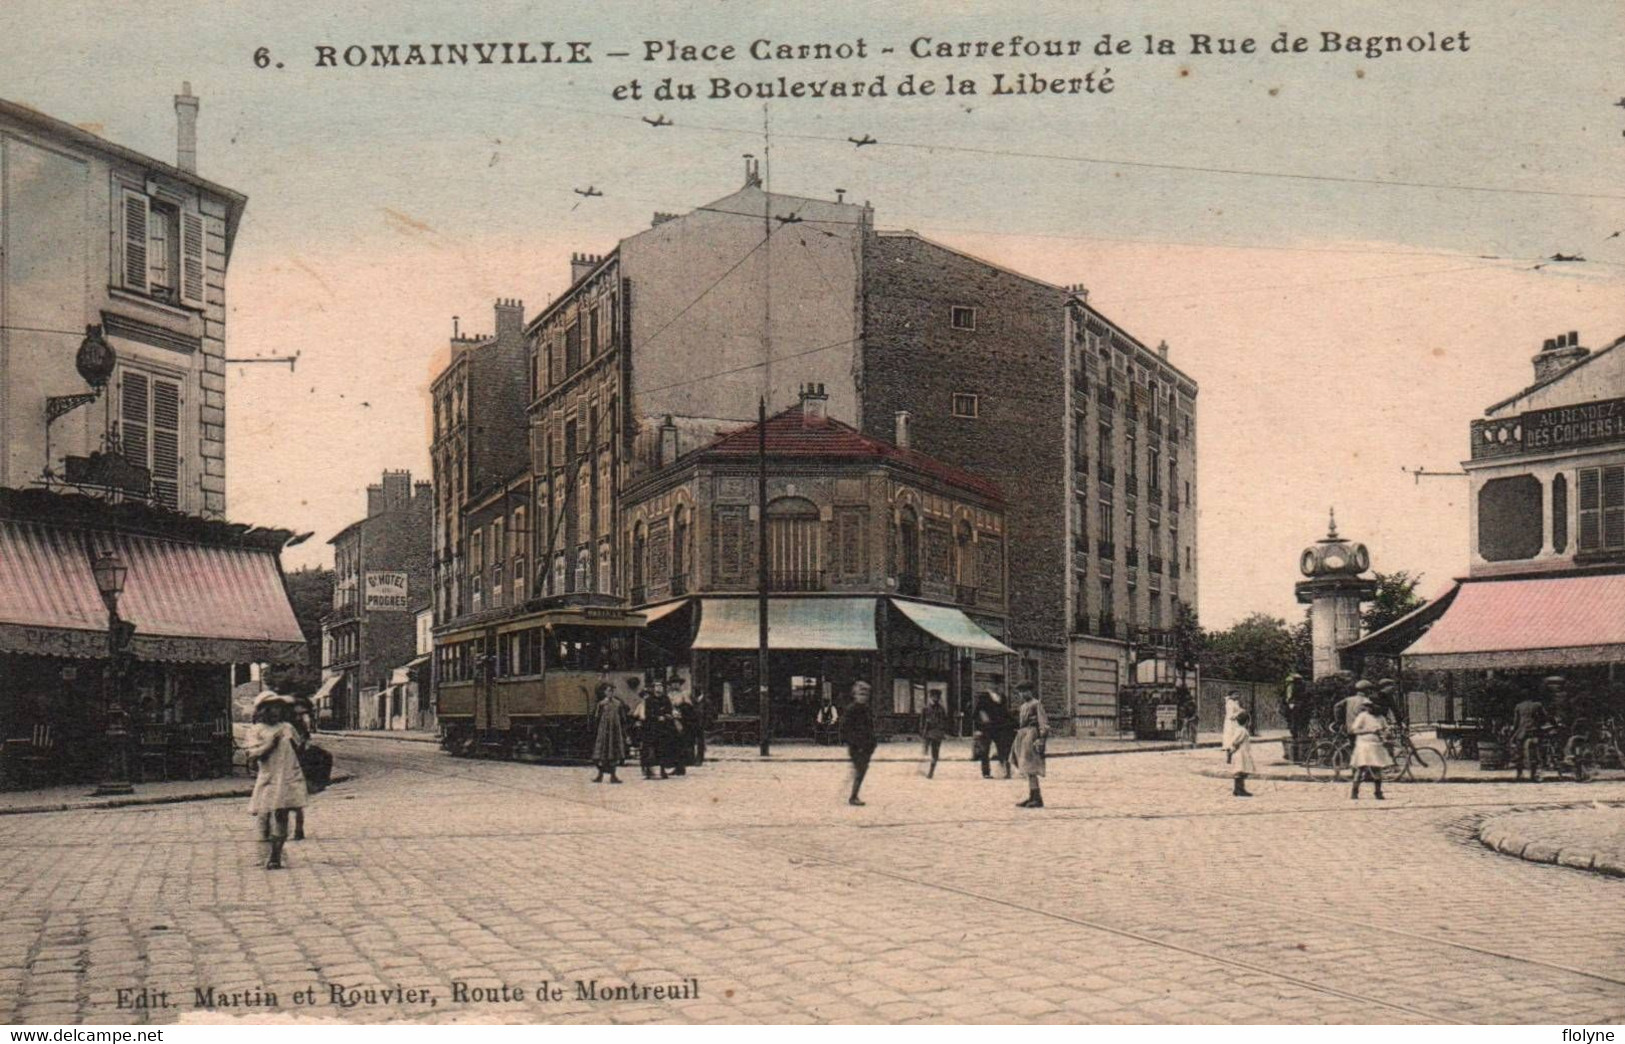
382 572
112 450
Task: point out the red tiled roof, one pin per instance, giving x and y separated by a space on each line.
789 434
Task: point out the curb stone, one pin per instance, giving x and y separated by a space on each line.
138 800
1500 835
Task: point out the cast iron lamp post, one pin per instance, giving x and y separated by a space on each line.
110 572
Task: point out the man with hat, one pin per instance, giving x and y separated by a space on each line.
280 786
858 731
1529 720
1347 709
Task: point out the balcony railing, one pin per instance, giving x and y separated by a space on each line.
1131 484
965 594
1080 543
1106 397
1155 424
1131 411
796 580
1155 583
1154 563
908 584
1108 474
1131 556
1173 501
1080 464
1173 569
1106 549
1108 626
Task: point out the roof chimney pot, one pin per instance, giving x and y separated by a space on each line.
186 105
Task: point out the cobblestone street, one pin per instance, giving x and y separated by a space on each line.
1143 893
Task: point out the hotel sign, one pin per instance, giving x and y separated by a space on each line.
384 591
1585 424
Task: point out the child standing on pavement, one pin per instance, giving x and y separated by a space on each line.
1238 751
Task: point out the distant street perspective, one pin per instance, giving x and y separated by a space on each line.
751 891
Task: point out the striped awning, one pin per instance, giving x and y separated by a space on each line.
189 602
1504 624
829 624
949 625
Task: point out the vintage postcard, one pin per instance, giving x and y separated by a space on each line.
760 513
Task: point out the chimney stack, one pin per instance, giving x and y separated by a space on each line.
1162 349
581 264
661 217
375 500
753 172
814 404
186 128
902 440
510 320
668 442
397 490
1558 354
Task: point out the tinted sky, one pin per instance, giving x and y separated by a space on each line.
1340 332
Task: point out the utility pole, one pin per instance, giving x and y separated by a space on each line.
764 709
762 706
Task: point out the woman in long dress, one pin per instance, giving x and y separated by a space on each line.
1239 752
1370 755
609 733
1232 708
1032 729
280 785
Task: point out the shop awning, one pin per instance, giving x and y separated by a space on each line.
952 626
190 602
827 624
654 614
402 675
1550 622
328 685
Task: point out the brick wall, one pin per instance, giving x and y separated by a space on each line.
1014 362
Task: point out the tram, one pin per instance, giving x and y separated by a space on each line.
522 686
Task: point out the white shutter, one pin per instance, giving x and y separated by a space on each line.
166 443
192 258
135 215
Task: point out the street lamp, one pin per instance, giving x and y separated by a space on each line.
110 573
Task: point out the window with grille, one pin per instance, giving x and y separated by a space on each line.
150 428
966 405
963 317
1602 509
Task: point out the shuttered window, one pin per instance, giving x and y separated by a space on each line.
135 241
191 253
150 429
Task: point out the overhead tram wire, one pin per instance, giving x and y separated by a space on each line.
1188 168
1192 168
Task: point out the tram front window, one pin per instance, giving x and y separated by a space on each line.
586 649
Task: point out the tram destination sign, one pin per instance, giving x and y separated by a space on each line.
1584 424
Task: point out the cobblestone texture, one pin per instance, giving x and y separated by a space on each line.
1144 893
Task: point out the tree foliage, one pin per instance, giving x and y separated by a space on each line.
1259 648
310 592
1396 597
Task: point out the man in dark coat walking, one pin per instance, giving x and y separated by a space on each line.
858 733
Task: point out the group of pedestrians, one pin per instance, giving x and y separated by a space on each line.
669 723
289 768
1021 738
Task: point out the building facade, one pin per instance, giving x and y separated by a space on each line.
674 335
477 443
112 453
1027 384
883 564
381 577
1545 586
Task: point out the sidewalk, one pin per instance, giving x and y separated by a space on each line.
383 734
77 797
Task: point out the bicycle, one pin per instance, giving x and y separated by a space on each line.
1412 764
1328 754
